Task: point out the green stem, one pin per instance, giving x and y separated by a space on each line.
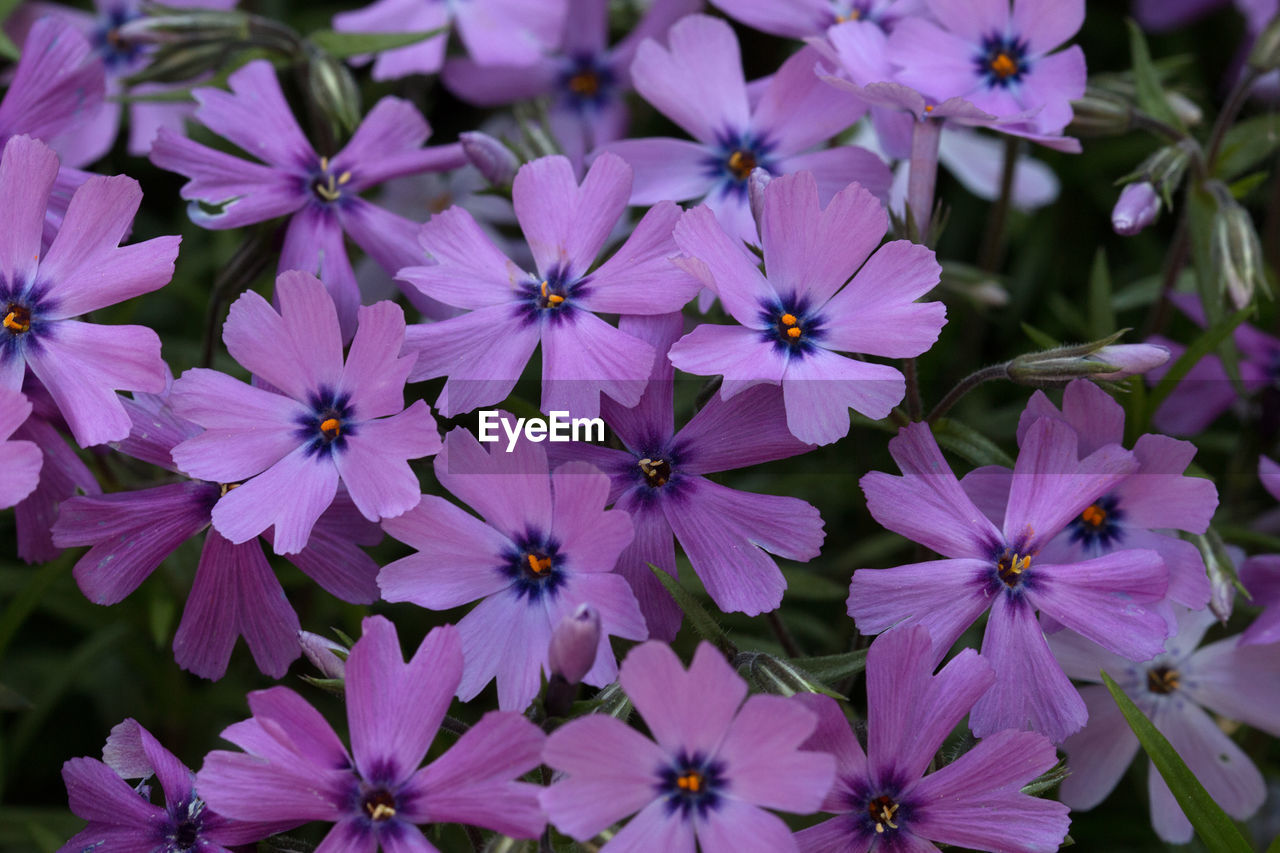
964 386
993 240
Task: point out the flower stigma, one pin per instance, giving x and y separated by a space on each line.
882 810
17 319
1163 680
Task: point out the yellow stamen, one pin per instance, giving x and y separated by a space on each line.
690 780
539 565
793 332
1011 565
657 471
344 178
328 191
928 108
555 299
882 810
1094 515
1004 65
853 15
18 320
584 83
741 163
324 164
331 427
1163 680
226 487
381 812
788 319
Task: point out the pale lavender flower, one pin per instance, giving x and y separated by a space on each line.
1137 207
22 459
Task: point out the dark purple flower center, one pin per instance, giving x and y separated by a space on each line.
791 326
692 783
186 821
552 298
17 319
736 154
656 472
327 186
1011 567
330 423
876 811
882 810
534 565
1163 680
21 313
378 804
1098 528
1002 61
587 83
117 52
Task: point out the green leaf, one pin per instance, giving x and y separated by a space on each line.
804 585
966 441
1149 92
8 50
831 668
1102 317
1039 338
703 623
1047 780
1218 832
346 45
1202 211
1275 846
1246 145
1200 347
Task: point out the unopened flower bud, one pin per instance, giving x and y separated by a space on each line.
1100 112
1265 53
177 63
495 161
772 675
331 87
1237 252
325 655
1184 108
1102 360
1137 207
756 182
574 643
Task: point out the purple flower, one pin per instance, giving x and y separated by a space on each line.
62 474
295 769
113 56
494 32
883 799
1156 497
286 450
1137 207
585 78
796 317
122 817
484 351
81 364
1261 574
22 459
698 83
660 479
803 19
1237 681
322 193
998 60
718 762
1108 598
545 546
1206 391
235 591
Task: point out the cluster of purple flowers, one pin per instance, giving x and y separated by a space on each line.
1080 557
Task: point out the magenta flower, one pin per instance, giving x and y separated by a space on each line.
698 83
584 77
295 769
1237 681
494 32
22 459
803 19
81 364
114 56
796 317
714 765
484 351
997 59
324 421
122 817
660 480
546 545
1206 391
235 591
1108 599
62 474
1156 497
321 193
882 798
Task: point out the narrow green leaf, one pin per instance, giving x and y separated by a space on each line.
29 597
966 441
1200 347
1102 317
1039 338
6 8
1218 832
345 45
831 668
1275 846
1047 780
1202 211
1149 92
1246 145
704 624
8 50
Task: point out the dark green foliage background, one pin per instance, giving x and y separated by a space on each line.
71 669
